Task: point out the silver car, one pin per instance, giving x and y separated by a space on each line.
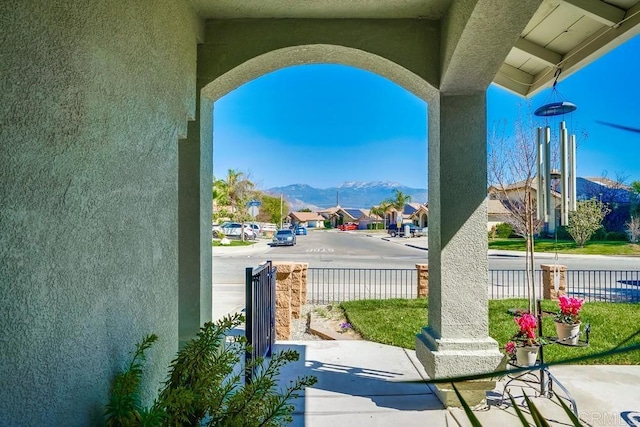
284 237
232 229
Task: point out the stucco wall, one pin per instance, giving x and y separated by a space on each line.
94 98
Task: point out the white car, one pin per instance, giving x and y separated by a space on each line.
232 229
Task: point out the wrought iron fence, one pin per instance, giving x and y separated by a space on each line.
335 285
505 284
604 285
260 311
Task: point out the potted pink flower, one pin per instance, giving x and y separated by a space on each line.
524 345
568 319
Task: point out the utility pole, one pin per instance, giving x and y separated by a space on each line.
280 210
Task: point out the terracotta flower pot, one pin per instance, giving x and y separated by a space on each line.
527 355
568 333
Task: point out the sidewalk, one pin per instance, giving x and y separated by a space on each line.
365 383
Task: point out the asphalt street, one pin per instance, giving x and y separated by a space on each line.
332 248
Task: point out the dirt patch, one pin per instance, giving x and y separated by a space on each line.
330 323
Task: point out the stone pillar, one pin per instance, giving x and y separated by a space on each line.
284 272
549 273
298 288
456 340
423 280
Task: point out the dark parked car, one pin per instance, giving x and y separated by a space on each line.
300 230
284 237
414 230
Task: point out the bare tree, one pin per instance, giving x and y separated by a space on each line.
512 169
633 229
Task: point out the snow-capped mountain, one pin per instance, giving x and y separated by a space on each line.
351 194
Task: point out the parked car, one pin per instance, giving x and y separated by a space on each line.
284 237
256 228
300 230
233 229
414 230
348 226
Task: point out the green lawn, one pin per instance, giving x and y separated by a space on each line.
396 322
569 246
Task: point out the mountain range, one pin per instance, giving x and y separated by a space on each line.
352 194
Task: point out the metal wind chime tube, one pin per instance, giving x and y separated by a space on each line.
574 177
540 211
567 173
549 213
564 174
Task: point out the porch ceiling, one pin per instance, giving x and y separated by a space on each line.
566 34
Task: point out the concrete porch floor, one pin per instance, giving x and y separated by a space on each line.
366 383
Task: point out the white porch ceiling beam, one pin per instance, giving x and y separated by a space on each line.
600 11
591 49
542 54
513 79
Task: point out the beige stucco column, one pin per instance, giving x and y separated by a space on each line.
456 341
195 162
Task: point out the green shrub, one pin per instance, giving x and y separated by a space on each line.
327 223
620 236
562 233
205 388
504 230
599 235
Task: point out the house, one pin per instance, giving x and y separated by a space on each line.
497 213
331 215
307 219
415 213
369 220
106 164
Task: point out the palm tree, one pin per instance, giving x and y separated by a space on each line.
381 211
234 191
399 202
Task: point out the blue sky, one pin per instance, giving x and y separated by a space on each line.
323 125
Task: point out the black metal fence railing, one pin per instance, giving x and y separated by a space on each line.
604 285
335 285
505 284
260 311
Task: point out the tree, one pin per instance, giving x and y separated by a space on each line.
616 195
305 210
398 202
271 211
633 229
512 170
381 211
235 192
586 219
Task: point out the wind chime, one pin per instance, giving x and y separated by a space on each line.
546 176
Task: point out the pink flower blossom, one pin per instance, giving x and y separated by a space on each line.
510 347
570 305
527 323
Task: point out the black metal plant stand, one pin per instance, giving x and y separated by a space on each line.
540 378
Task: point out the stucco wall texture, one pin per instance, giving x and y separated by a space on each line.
94 97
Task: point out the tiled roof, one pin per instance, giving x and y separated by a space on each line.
306 216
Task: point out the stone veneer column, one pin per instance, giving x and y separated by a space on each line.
423 280
549 273
283 299
456 340
298 288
